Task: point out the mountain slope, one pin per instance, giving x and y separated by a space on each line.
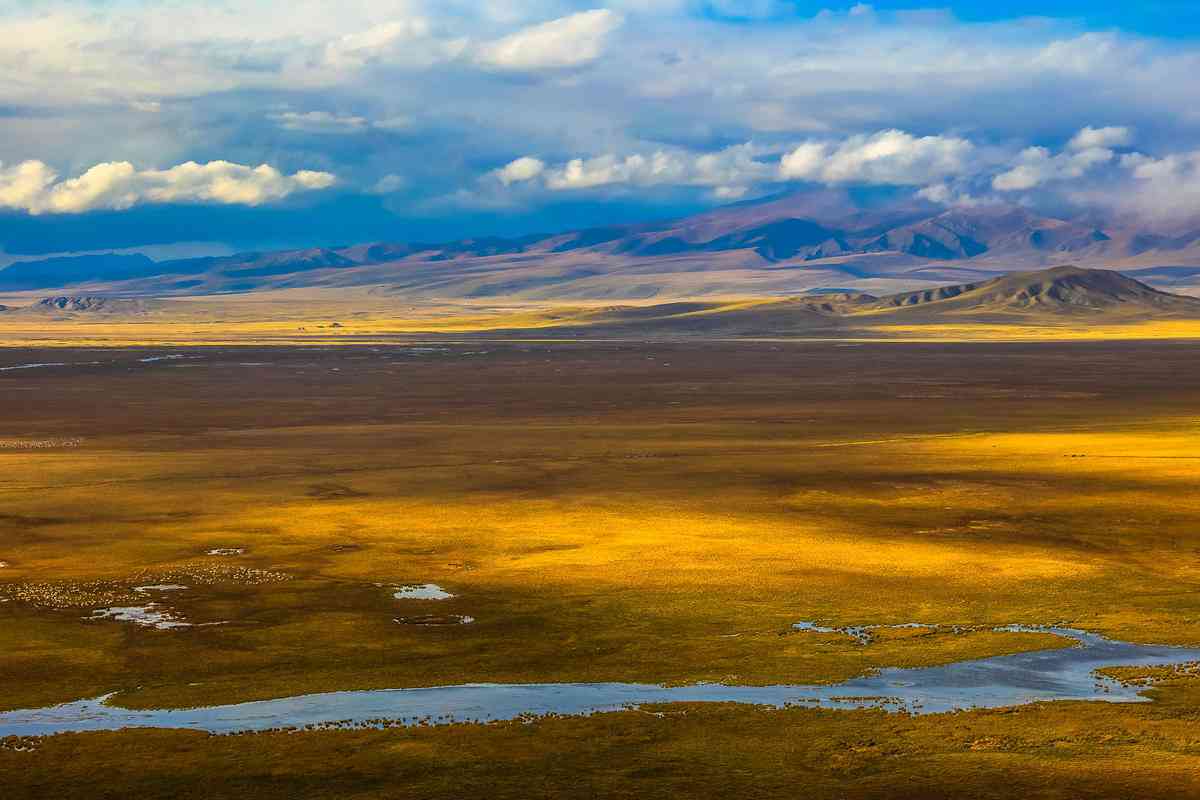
1060 290
74 270
777 246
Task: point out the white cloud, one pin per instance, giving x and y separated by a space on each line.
320 122
1083 55
1162 191
889 157
729 172
335 123
945 169
885 158
1087 150
522 169
566 42
938 193
1173 167
389 184
1107 138
24 185
1035 166
357 49
730 192
34 187
411 42
579 173
947 194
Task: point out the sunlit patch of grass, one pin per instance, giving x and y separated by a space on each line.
627 570
1042 329
315 318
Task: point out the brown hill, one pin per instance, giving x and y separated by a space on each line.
1058 290
86 304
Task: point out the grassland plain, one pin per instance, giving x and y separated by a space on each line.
619 511
299 317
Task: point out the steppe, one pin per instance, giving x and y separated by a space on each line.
628 510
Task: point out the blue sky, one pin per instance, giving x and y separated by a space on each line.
265 123
1171 18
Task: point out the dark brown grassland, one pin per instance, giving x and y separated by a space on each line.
616 511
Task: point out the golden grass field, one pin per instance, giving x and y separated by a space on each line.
606 511
361 316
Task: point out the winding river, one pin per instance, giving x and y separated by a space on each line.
1010 680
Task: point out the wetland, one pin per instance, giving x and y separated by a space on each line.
634 530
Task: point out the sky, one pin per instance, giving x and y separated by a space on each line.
254 124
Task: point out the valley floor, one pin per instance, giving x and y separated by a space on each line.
342 317
599 512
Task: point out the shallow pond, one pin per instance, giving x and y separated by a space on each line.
151 616
423 591
1011 680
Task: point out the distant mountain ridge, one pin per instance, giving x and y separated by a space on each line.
775 246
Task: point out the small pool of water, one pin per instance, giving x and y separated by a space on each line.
170 357
423 591
150 615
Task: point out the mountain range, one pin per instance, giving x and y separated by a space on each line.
775 246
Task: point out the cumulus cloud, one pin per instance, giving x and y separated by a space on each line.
1093 138
728 172
884 158
1087 150
566 42
25 185
605 170
34 187
889 157
520 170
947 169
